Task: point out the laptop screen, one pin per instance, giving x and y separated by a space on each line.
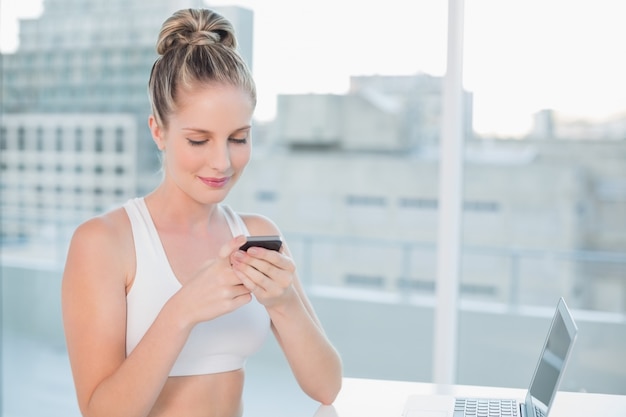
553 358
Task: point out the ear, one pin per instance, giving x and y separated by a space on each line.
157 132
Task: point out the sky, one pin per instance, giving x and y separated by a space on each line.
520 56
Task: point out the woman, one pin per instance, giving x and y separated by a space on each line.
160 306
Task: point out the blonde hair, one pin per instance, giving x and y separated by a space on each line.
196 47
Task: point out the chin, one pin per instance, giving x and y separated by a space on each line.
213 196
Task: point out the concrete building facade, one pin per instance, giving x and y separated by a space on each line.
385 114
58 169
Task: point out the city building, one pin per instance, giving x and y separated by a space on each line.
58 169
551 125
379 113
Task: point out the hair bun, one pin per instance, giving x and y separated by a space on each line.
195 27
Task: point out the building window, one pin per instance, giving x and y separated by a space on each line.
266 196
3 138
40 143
21 139
419 203
119 140
370 281
58 142
483 206
365 200
99 142
78 139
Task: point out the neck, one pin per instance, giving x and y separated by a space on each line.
181 214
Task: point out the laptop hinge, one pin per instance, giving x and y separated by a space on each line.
522 410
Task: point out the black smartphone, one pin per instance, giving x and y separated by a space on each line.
267 242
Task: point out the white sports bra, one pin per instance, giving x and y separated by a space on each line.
219 345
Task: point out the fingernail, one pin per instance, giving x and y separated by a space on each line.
238 255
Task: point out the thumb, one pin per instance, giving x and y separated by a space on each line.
232 246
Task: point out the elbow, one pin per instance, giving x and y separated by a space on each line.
327 392
328 397
324 396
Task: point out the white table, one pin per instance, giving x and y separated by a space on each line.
381 398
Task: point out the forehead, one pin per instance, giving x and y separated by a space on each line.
214 104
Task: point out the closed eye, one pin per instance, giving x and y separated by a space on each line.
196 142
239 141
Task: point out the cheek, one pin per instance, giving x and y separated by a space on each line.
187 159
240 157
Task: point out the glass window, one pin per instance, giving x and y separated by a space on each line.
40 139
99 140
3 138
119 140
59 142
21 138
78 140
346 160
543 117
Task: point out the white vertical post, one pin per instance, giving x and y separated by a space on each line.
450 203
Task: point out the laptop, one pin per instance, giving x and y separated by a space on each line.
540 395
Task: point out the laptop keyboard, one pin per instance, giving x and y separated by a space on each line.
539 413
485 407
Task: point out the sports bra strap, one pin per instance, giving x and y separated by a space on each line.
235 222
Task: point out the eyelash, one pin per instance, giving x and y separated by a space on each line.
241 141
233 140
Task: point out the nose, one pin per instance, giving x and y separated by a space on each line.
219 156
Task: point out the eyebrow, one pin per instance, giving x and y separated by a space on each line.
208 132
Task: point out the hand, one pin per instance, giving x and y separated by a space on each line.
266 273
214 289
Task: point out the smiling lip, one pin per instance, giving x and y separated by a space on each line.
215 182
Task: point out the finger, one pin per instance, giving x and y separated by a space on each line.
232 246
249 284
242 297
239 290
269 262
270 256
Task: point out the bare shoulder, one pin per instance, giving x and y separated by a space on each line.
104 241
259 225
112 228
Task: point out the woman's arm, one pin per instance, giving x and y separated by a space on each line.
314 361
272 278
97 270
100 265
